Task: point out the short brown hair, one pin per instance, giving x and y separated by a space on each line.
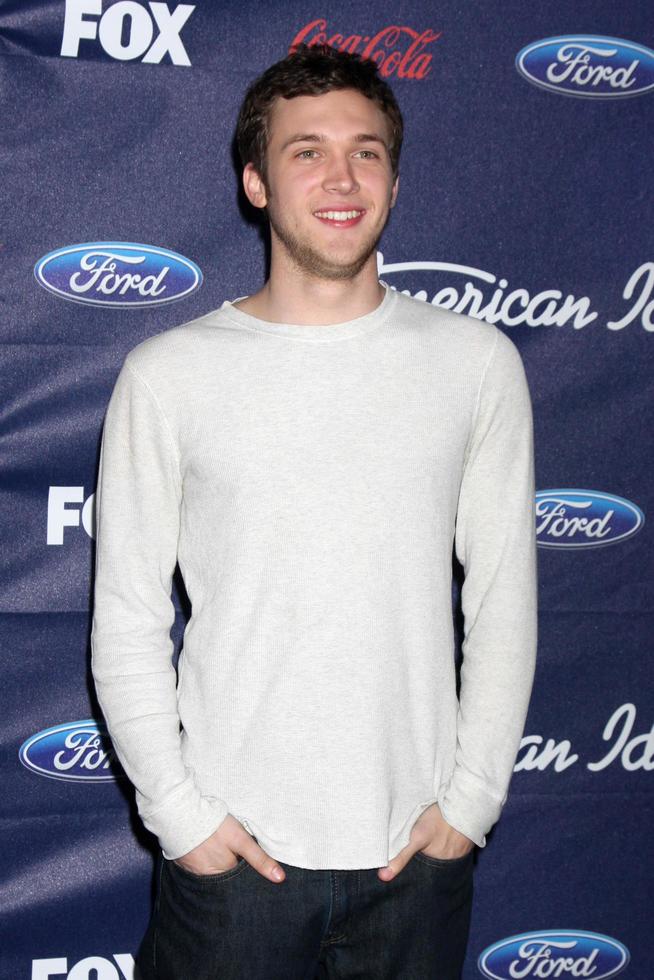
312 71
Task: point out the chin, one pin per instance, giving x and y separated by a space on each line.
326 268
326 265
323 263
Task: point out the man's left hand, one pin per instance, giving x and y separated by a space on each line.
432 835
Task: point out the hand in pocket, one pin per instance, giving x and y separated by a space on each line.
433 836
220 853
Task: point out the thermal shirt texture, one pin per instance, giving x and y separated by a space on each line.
313 482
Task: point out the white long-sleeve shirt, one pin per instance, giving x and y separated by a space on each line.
312 482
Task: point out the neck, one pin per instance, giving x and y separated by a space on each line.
292 296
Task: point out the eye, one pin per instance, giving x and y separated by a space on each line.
305 155
368 154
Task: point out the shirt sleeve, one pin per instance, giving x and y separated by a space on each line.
138 501
495 541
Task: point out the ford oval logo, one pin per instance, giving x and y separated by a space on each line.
588 65
79 751
118 274
559 953
584 518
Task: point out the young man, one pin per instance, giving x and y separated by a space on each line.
311 455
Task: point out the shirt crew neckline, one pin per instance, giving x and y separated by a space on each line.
321 333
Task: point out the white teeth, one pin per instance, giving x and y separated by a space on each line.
338 215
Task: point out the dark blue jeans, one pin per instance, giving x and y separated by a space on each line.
314 925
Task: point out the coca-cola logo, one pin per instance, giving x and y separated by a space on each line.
397 49
77 751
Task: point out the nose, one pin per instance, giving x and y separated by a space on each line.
340 176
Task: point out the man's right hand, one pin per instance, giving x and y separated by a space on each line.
220 853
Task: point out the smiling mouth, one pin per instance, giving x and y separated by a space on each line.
340 219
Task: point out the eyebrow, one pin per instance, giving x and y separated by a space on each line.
319 138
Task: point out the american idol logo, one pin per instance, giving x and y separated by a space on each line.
555 953
79 751
588 65
119 274
584 518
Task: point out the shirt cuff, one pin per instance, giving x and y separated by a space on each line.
181 825
469 808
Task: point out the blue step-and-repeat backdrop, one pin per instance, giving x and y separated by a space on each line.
525 201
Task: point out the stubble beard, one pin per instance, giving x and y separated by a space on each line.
314 263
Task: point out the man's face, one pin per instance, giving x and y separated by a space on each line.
329 184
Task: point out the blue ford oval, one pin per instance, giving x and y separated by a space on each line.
588 65
570 518
117 274
554 953
78 751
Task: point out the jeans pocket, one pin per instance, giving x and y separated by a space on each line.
198 881
437 862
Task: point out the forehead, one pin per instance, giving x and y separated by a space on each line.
340 114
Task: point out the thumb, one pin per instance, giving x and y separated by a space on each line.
400 860
262 862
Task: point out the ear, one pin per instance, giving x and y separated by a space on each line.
396 187
253 186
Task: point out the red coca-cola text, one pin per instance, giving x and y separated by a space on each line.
397 50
